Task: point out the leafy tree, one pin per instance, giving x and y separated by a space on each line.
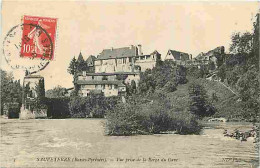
221 73
39 101
180 75
11 90
248 86
56 92
170 86
241 43
199 104
131 89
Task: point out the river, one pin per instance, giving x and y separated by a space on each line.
82 143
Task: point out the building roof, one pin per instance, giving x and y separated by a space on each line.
91 58
98 82
179 55
110 74
118 53
71 88
33 76
214 52
80 57
155 52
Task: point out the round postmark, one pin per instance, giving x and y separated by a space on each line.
28 47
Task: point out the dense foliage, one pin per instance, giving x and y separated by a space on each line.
11 90
57 107
199 104
240 71
148 116
56 92
94 105
165 76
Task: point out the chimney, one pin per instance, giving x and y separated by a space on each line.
191 56
131 47
139 49
112 49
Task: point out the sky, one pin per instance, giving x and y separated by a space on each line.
89 27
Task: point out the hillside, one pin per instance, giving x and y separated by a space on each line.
227 103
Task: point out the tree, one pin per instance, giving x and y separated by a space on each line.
199 104
241 43
131 89
56 92
73 66
221 73
248 86
11 90
39 101
180 75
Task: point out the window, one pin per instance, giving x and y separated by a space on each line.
104 78
93 78
110 87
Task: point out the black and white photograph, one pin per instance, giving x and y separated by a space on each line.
129 84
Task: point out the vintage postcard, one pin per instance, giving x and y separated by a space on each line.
129 84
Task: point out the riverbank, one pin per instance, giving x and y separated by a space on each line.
31 143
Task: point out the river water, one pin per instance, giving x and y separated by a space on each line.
82 143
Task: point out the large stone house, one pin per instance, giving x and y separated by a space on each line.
109 84
114 69
126 59
179 57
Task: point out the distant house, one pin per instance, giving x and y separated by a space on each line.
147 61
177 56
211 57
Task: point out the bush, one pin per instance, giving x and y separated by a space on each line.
143 116
57 107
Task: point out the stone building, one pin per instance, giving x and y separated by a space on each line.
179 57
114 69
126 59
147 61
33 90
211 57
109 84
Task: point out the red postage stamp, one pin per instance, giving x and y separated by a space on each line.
38 37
